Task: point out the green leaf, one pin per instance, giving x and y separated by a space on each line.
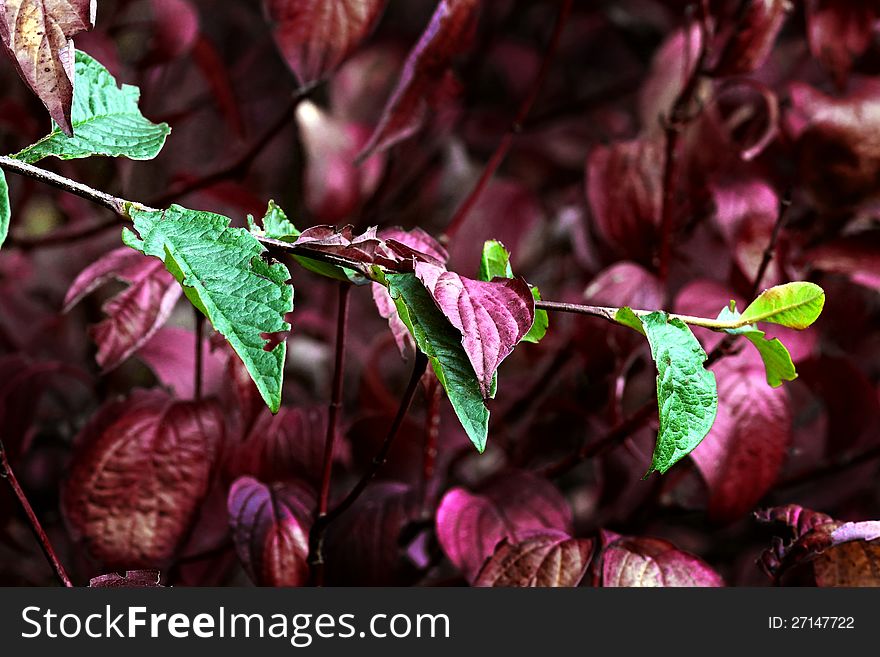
778 365
495 263
224 275
441 343
628 318
105 119
277 226
5 210
687 395
795 305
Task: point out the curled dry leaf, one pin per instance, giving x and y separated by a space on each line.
135 314
833 553
652 562
270 528
422 79
134 579
141 468
470 525
546 559
38 34
316 36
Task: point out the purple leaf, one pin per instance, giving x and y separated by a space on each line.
135 579
270 528
470 525
170 353
857 257
335 186
423 74
135 314
546 559
492 317
625 192
652 562
749 40
625 284
139 472
288 444
316 36
364 547
387 310
840 31
741 457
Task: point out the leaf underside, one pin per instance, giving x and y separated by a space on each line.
225 277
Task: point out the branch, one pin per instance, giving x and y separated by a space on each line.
515 128
7 473
319 529
610 313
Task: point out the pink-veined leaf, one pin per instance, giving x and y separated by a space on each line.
316 36
652 562
470 525
38 35
545 559
270 528
135 314
743 453
491 317
140 470
422 79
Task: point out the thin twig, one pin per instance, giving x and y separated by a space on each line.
319 528
7 473
434 394
515 128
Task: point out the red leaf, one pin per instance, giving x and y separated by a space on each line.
174 31
625 284
625 192
837 151
316 36
364 547
741 457
547 559
652 562
422 79
170 353
288 444
857 257
135 314
139 472
39 37
749 40
270 527
492 317
673 64
840 31
134 579
335 185
470 525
